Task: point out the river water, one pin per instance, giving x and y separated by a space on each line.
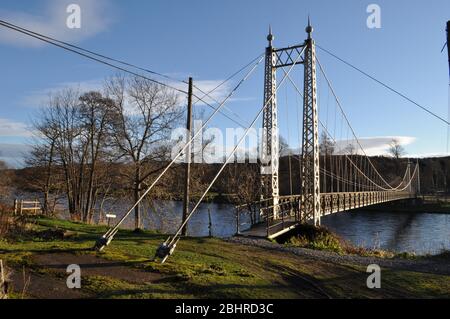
421 233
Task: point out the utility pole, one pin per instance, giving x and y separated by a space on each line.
448 50
188 158
448 44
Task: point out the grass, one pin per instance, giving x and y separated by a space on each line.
321 238
212 268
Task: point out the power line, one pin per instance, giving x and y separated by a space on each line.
30 33
73 48
9 24
385 85
348 122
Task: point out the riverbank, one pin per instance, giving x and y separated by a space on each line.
203 268
424 204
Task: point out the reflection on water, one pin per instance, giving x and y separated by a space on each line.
166 217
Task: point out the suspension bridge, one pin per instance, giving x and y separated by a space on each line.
332 179
353 180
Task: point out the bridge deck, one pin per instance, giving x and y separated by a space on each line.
331 203
277 228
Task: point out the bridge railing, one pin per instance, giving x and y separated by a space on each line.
288 210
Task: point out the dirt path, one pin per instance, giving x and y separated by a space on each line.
51 282
29 284
433 266
94 266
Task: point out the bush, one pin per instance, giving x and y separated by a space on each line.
319 238
5 221
11 226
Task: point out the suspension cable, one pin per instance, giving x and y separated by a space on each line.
346 156
174 238
350 126
114 230
384 85
98 58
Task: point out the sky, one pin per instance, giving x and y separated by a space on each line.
209 40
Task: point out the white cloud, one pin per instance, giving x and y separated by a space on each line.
51 21
220 91
374 146
9 128
40 97
14 154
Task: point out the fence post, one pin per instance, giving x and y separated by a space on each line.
237 221
3 284
21 206
15 207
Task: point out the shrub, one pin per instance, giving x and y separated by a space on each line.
5 221
319 238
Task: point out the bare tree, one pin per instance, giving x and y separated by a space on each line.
350 149
72 139
143 115
326 146
284 146
5 179
95 118
396 150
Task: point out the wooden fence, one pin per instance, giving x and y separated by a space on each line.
21 206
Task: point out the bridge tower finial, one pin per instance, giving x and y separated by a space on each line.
309 28
270 36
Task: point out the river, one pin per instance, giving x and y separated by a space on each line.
421 233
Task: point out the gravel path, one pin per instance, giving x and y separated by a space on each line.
433 266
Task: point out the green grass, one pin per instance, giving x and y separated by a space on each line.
212 268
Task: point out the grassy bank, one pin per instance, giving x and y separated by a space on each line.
321 238
205 268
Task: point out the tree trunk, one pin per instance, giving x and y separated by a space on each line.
137 195
45 206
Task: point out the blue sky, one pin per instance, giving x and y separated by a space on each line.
211 39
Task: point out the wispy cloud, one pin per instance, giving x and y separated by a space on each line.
95 18
14 154
38 98
9 128
220 91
